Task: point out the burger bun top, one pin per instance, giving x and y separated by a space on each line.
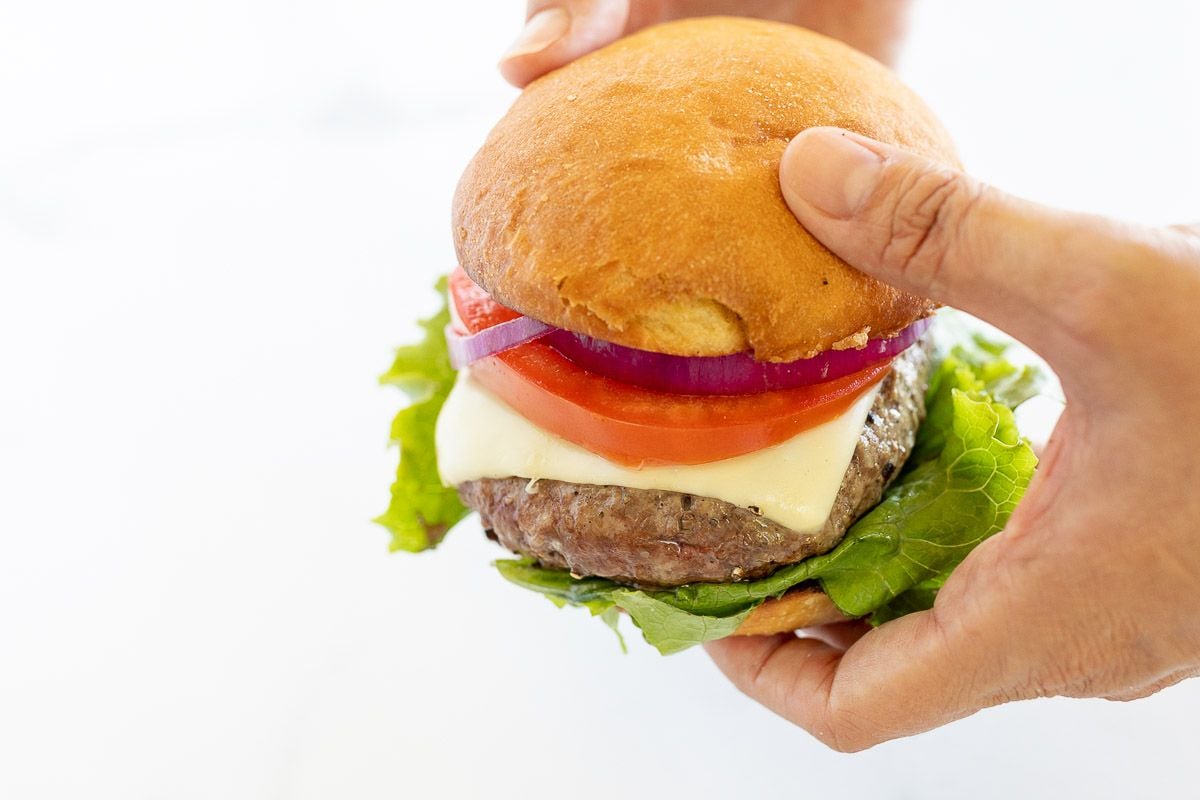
633 195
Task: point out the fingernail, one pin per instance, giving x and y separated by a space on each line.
829 170
542 30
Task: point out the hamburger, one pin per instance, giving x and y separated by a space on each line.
660 392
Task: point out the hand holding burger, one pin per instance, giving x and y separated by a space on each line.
1089 590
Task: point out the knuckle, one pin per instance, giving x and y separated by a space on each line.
849 734
852 721
928 209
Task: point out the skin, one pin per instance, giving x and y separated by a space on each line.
1091 591
558 31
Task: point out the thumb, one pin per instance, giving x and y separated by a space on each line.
559 31
1044 276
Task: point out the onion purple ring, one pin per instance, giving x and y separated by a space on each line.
468 347
738 373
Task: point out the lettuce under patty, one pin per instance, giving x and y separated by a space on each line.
968 470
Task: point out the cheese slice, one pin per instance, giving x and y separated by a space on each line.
793 483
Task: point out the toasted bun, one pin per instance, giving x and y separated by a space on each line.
799 608
633 195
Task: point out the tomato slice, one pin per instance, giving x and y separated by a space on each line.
639 427
473 306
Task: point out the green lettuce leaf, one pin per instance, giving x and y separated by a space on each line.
421 509
935 514
962 483
669 628
978 367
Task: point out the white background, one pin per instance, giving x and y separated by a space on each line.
216 219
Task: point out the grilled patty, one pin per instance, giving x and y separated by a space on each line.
657 539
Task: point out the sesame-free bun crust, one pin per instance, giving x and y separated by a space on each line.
633 195
800 608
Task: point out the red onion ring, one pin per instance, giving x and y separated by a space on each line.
738 373
466 348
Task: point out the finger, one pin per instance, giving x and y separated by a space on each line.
873 26
899 679
559 31
876 27
785 673
1050 278
840 635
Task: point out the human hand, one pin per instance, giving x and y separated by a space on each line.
1091 591
559 31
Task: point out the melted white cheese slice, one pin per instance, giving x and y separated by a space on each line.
793 483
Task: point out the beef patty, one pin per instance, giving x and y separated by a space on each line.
658 539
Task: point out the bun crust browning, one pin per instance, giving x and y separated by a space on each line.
799 608
633 195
